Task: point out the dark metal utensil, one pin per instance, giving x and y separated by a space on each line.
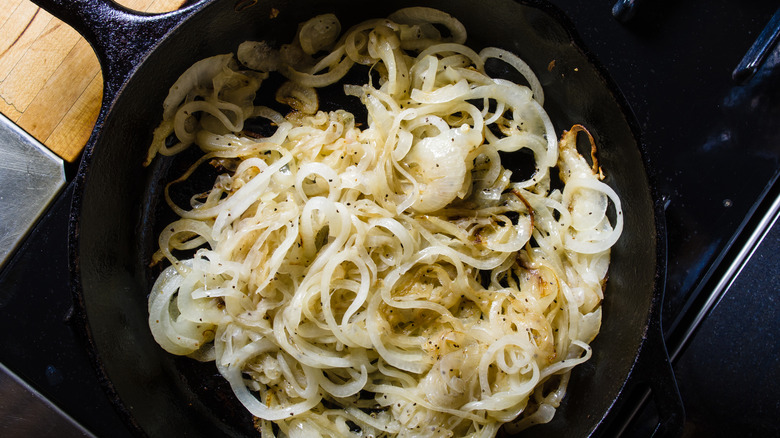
758 52
624 10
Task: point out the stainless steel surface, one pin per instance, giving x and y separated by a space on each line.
24 413
30 178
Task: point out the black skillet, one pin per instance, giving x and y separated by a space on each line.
116 209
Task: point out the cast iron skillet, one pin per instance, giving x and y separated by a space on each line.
116 210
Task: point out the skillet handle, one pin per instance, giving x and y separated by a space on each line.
655 367
120 37
663 386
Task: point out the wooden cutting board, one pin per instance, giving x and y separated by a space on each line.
50 80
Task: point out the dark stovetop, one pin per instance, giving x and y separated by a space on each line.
713 148
737 344
712 142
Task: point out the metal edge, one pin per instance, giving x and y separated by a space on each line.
727 279
58 182
44 401
34 142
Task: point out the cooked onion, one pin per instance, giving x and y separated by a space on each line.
319 33
384 280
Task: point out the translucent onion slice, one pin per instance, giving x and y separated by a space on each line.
199 74
319 33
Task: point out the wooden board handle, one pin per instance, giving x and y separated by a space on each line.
50 79
121 38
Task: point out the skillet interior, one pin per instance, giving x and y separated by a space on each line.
121 211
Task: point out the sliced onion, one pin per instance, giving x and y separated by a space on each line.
199 75
298 97
400 257
319 33
519 65
419 14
